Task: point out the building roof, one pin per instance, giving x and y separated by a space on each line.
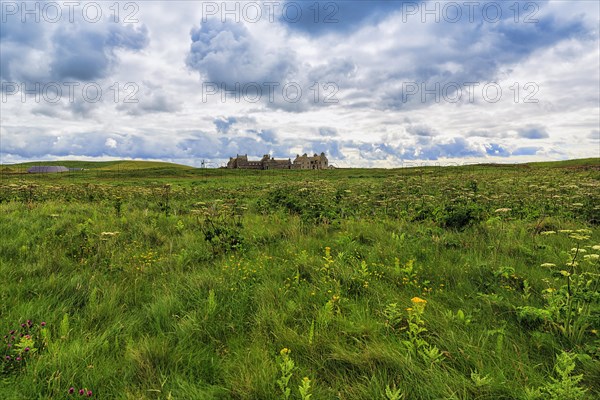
314 157
45 169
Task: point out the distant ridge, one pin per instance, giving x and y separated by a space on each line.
106 165
567 163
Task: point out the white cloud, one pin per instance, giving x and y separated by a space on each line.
110 142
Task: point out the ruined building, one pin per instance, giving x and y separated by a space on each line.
314 162
268 162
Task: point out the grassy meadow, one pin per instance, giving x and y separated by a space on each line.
155 281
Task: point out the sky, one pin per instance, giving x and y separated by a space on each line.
370 83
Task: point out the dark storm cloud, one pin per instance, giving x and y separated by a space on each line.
316 18
76 50
84 54
12 29
471 52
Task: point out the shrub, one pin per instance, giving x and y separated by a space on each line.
458 216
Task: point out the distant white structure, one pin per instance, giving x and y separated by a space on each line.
47 169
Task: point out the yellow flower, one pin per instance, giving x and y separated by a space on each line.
409 309
285 351
107 234
418 300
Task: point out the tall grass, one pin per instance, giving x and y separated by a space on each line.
138 304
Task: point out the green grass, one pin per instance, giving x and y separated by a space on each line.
569 163
187 284
133 165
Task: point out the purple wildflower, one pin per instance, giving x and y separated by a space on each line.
71 390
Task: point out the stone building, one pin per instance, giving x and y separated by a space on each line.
267 162
271 163
314 162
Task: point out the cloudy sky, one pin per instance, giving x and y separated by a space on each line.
370 83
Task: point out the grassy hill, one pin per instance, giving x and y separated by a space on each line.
475 282
582 162
105 165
